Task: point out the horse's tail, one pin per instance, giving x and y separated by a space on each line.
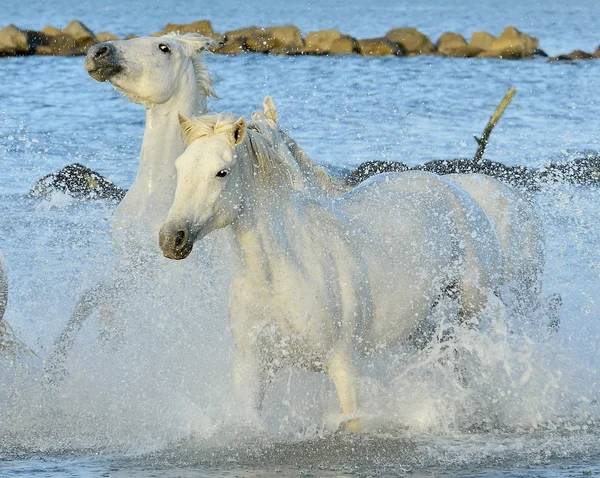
55 369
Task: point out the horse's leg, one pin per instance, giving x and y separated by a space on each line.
55 368
343 375
249 378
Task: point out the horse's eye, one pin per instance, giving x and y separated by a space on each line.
164 48
223 173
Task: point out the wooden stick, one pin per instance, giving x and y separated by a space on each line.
483 141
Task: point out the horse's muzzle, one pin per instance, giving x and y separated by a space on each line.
175 243
102 61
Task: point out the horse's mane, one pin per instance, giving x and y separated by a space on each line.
194 45
325 180
329 184
268 165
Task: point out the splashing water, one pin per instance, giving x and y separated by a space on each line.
158 393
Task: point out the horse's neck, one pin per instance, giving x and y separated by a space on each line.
264 236
148 200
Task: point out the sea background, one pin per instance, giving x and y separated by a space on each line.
159 403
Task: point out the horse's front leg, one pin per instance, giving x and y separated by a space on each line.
342 372
249 378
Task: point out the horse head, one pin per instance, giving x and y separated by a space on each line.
152 70
207 196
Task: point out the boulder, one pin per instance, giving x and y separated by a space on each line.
455 45
240 32
78 181
482 40
14 41
51 31
204 27
73 40
61 45
379 47
574 55
329 42
413 41
512 44
233 47
519 176
584 171
344 46
80 33
285 39
320 42
106 36
597 53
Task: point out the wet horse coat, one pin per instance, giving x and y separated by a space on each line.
318 281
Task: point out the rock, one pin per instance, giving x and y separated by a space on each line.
320 42
585 171
75 39
345 45
518 176
455 45
131 37
78 181
61 45
512 44
80 33
204 27
379 47
574 55
371 168
14 42
233 47
106 36
482 40
285 39
597 53
51 31
241 32
413 41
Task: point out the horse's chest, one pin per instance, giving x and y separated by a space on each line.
293 307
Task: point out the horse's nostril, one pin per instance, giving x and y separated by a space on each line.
101 52
180 239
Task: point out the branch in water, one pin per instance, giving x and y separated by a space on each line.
482 142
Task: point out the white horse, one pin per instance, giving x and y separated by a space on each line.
513 216
319 281
166 75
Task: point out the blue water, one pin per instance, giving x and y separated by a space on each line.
162 406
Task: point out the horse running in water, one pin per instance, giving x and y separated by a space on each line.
318 282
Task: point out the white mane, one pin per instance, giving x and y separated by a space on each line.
193 45
268 164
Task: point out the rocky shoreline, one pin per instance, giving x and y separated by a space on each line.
81 182
75 39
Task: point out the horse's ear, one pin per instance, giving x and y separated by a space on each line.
238 132
270 110
187 128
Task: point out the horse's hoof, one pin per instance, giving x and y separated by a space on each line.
351 426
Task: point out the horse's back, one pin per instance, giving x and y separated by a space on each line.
425 232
